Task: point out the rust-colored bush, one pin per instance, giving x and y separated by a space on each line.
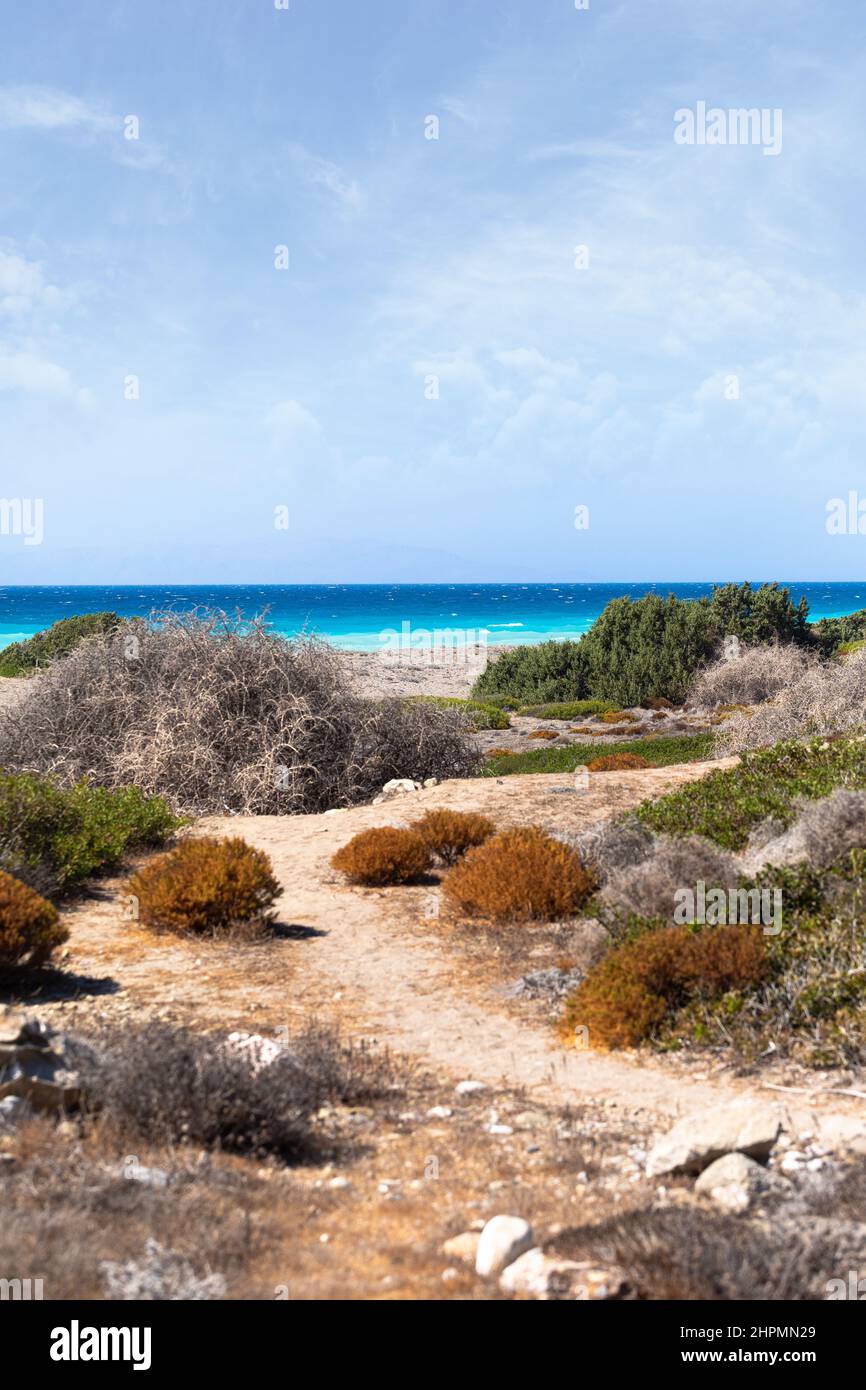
544 733
628 995
658 702
618 716
501 753
383 855
519 874
451 833
30 927
618 762
208 886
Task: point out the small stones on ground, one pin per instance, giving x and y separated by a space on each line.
503 1239
338 1184
499 1129
463 1247
546 1277
439 1112
148 1177
470 1088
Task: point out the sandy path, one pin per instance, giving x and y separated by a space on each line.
398 986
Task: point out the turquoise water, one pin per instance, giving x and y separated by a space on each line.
355 616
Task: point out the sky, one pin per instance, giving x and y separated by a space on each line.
385 291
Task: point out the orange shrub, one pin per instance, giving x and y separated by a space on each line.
207 886
381 856
519 874
618 716
628 995
30 927
501 753
451 833
618 762
544 733
658 702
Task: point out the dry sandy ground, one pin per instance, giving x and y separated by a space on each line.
434 672
377 960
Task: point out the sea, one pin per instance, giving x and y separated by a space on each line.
364 617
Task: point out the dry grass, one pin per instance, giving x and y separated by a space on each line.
757 674
825 698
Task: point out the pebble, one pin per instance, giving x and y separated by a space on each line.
503 1239
439 1112
469 1088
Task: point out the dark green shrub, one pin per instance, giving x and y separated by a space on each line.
29 926
832 633
568 709
23 658
536 674
66 835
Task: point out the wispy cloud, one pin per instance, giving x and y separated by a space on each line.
46 108
330 177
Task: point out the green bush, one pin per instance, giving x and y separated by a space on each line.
23 658
568 709
536 674
726 805
833 633
483 715
642 649
68 835
658 752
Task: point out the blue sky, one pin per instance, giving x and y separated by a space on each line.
308 387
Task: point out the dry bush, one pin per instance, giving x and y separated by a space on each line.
823 833
637 985
517 875
171 1086
618 716
827 698
207 886
612 845
658 703
501 753
618 762
687 1253
547 734
451 833
648 888
218 715
757 674
30 927
383 855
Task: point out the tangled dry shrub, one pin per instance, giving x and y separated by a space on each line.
172 1086
30 927
637 985
826 698
610 846
648 888
383 855
519 874
449 834
209 887
756 674
618 762
220 715
823 832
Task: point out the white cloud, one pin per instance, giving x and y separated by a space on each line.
291 423
44 108
24 371
23 285
323 174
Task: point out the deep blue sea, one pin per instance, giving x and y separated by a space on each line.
356 615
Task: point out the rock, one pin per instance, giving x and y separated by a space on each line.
546 1277
698 1140
439 1112
735 1183
469 1088
36 1065
259 1051
500 1243
530 1119
148 1177
398 786
431 781
463 1247
13 1110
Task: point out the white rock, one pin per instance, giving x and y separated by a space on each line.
463 1247
469 1088
499 1129
398 786
698 1140
439 1112
500 1243
735 1183
546 1277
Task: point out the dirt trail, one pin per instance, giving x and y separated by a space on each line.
398 987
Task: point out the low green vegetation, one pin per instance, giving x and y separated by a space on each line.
726 805
569 709
483 715
835 633
51 837
659 752
643 649
24 658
